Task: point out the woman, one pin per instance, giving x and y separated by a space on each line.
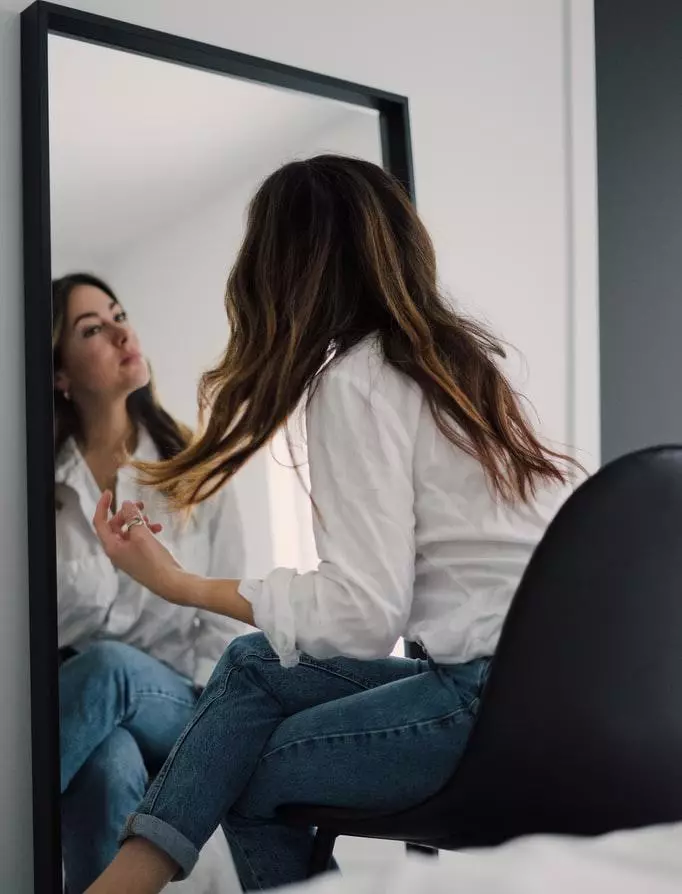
430 492
133 665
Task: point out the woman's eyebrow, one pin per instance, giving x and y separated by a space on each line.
91 313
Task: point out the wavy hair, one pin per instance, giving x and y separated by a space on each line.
335 252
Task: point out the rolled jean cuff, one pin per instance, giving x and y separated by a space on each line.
165 837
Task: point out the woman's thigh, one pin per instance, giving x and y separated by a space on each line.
312 681
112 684
382 748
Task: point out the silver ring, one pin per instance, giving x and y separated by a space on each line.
131 524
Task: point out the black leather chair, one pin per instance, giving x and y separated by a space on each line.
580 726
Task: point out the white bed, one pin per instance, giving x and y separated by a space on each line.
215 872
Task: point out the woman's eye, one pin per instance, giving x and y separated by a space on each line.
121 317
92 330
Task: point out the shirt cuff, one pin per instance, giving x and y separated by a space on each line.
273 612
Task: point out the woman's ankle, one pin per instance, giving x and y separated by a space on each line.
140 867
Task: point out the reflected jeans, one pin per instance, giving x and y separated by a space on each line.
121 712
382 735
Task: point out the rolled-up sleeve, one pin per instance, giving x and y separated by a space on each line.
360 452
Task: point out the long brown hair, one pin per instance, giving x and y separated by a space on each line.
335 252
169 436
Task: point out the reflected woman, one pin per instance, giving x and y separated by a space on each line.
133 665
431 490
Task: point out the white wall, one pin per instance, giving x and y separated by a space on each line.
172 282
503 132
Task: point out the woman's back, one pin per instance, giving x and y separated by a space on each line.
470 547
413 542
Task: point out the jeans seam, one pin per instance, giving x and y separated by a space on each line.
161 778
124 717
313 665
452 715
166 696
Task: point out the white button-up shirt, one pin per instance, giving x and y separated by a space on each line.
95 601
411 540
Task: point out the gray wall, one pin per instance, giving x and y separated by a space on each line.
639 121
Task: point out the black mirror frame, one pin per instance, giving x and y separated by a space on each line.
37 22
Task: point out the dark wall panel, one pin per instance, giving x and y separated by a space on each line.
639 112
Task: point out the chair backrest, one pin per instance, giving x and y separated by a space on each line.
580 728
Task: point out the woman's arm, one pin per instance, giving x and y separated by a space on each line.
361 443
220 597
133 548
357 602
361 433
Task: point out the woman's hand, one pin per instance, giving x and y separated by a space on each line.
128 540
134 549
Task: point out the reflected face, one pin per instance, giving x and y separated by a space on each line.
100 351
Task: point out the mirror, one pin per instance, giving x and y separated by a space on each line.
151 166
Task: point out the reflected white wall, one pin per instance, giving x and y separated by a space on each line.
172 283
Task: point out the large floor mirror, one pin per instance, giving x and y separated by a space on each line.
141 151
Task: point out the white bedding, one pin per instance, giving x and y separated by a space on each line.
214 873
641 862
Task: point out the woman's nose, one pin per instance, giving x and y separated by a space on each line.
120 335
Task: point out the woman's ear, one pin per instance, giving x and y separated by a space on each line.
61 383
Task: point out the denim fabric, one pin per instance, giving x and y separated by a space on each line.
373 734
121 712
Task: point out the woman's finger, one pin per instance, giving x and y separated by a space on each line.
127 513
135 525
117 521
130 510
101 521
154 527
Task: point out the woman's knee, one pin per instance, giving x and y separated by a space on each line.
104 670
109 656
251 645
242 651
116 764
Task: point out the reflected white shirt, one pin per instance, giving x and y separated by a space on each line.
412 543
95 601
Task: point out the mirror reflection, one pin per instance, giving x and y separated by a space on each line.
152 166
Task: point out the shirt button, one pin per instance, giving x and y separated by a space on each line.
197 622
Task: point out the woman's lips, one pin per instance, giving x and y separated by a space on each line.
131 358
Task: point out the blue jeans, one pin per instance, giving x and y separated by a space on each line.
368 734
121 713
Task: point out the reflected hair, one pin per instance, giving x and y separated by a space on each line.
169 436
334 252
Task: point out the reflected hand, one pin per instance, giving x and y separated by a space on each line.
129 541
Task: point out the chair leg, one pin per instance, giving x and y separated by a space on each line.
323 851
421 849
